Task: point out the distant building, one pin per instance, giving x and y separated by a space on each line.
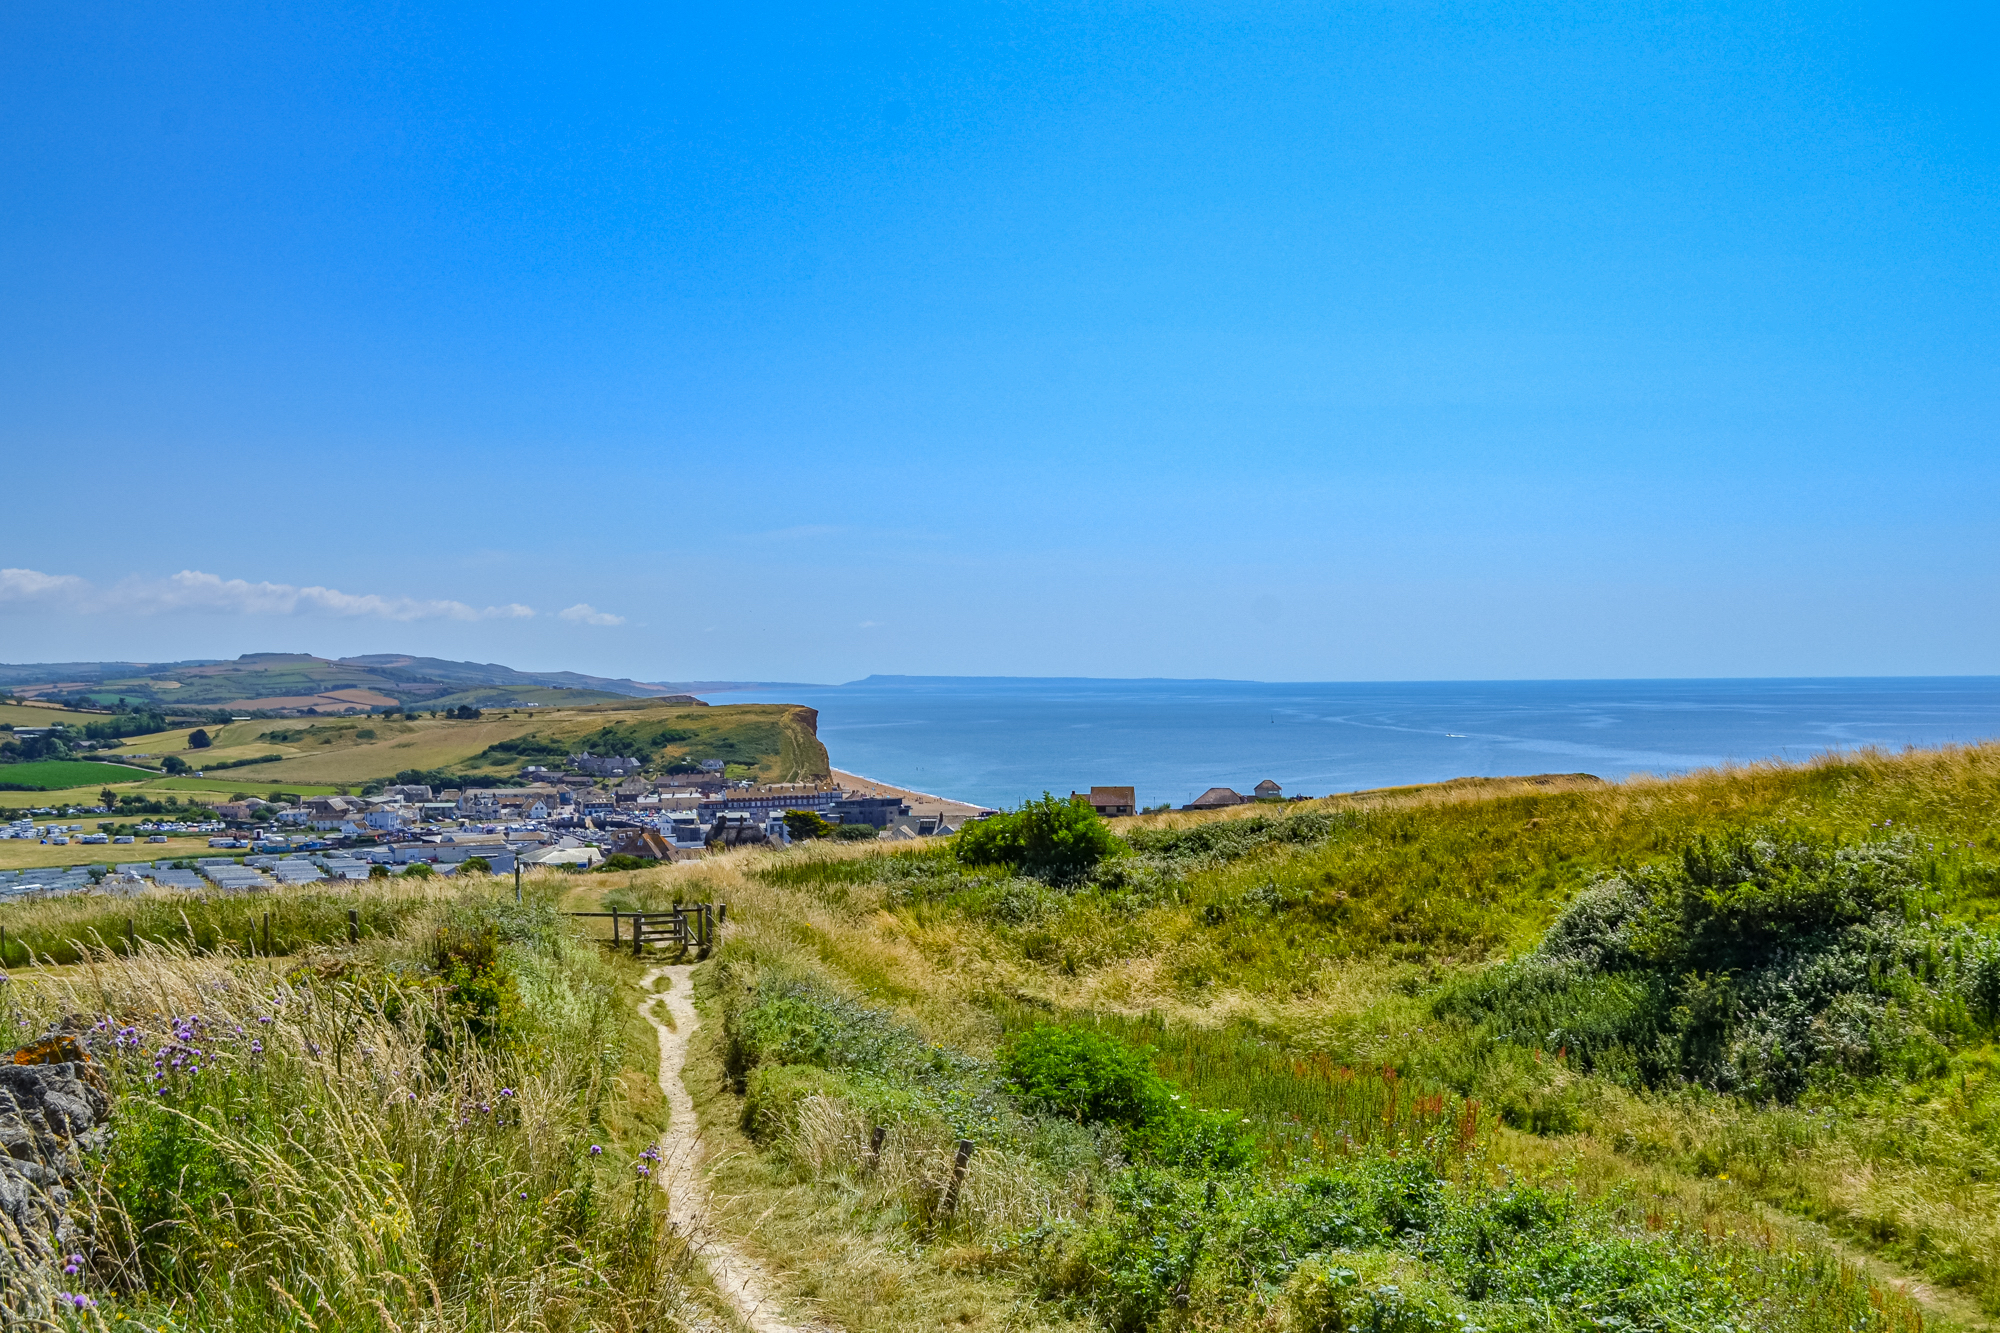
1110 801
741 829
1215 798
508 802
881 811
644 843
1268 790
920 826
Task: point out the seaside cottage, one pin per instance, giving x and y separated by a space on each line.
1215 798
1110 801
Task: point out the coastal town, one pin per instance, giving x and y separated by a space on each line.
579 815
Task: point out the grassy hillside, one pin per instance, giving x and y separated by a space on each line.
1716 1051
301 678
775 742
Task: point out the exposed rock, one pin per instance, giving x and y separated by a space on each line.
48 1112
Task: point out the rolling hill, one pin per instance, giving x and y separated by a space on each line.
776 742
300 681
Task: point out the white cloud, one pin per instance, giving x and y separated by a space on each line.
586 614
192 590
27 585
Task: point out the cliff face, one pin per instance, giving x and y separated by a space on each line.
802 757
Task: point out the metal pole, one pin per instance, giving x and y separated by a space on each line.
517 879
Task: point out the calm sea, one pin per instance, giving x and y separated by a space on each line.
997 741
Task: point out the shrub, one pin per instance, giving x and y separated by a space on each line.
1061 841
198 740
853 832
1750 965
624 861
1084 1076
1076 1073
803 824
476 865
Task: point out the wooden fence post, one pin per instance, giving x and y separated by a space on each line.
131 941
958 1165
614 929
875 1146
354 925
638 932
267 934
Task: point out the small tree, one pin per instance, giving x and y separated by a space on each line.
803 824
108 798
1050 839
173 765
476 865
199 740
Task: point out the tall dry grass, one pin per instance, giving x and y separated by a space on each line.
332 1146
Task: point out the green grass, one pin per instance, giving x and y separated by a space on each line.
391 1135
57 774
1762 1044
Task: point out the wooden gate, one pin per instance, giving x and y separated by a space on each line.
687 926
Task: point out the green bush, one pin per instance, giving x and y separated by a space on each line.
853 832
1752 965
804 824
1076 1073
1056 840
624 861
466 957
1083 1076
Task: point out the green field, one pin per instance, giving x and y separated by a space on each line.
1721 1051
207 791
57 774
774 742
28 715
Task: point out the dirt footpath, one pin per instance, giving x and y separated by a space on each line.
741 1280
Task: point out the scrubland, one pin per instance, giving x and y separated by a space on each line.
1711 1053
1702 1053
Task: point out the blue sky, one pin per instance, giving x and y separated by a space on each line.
1280 342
